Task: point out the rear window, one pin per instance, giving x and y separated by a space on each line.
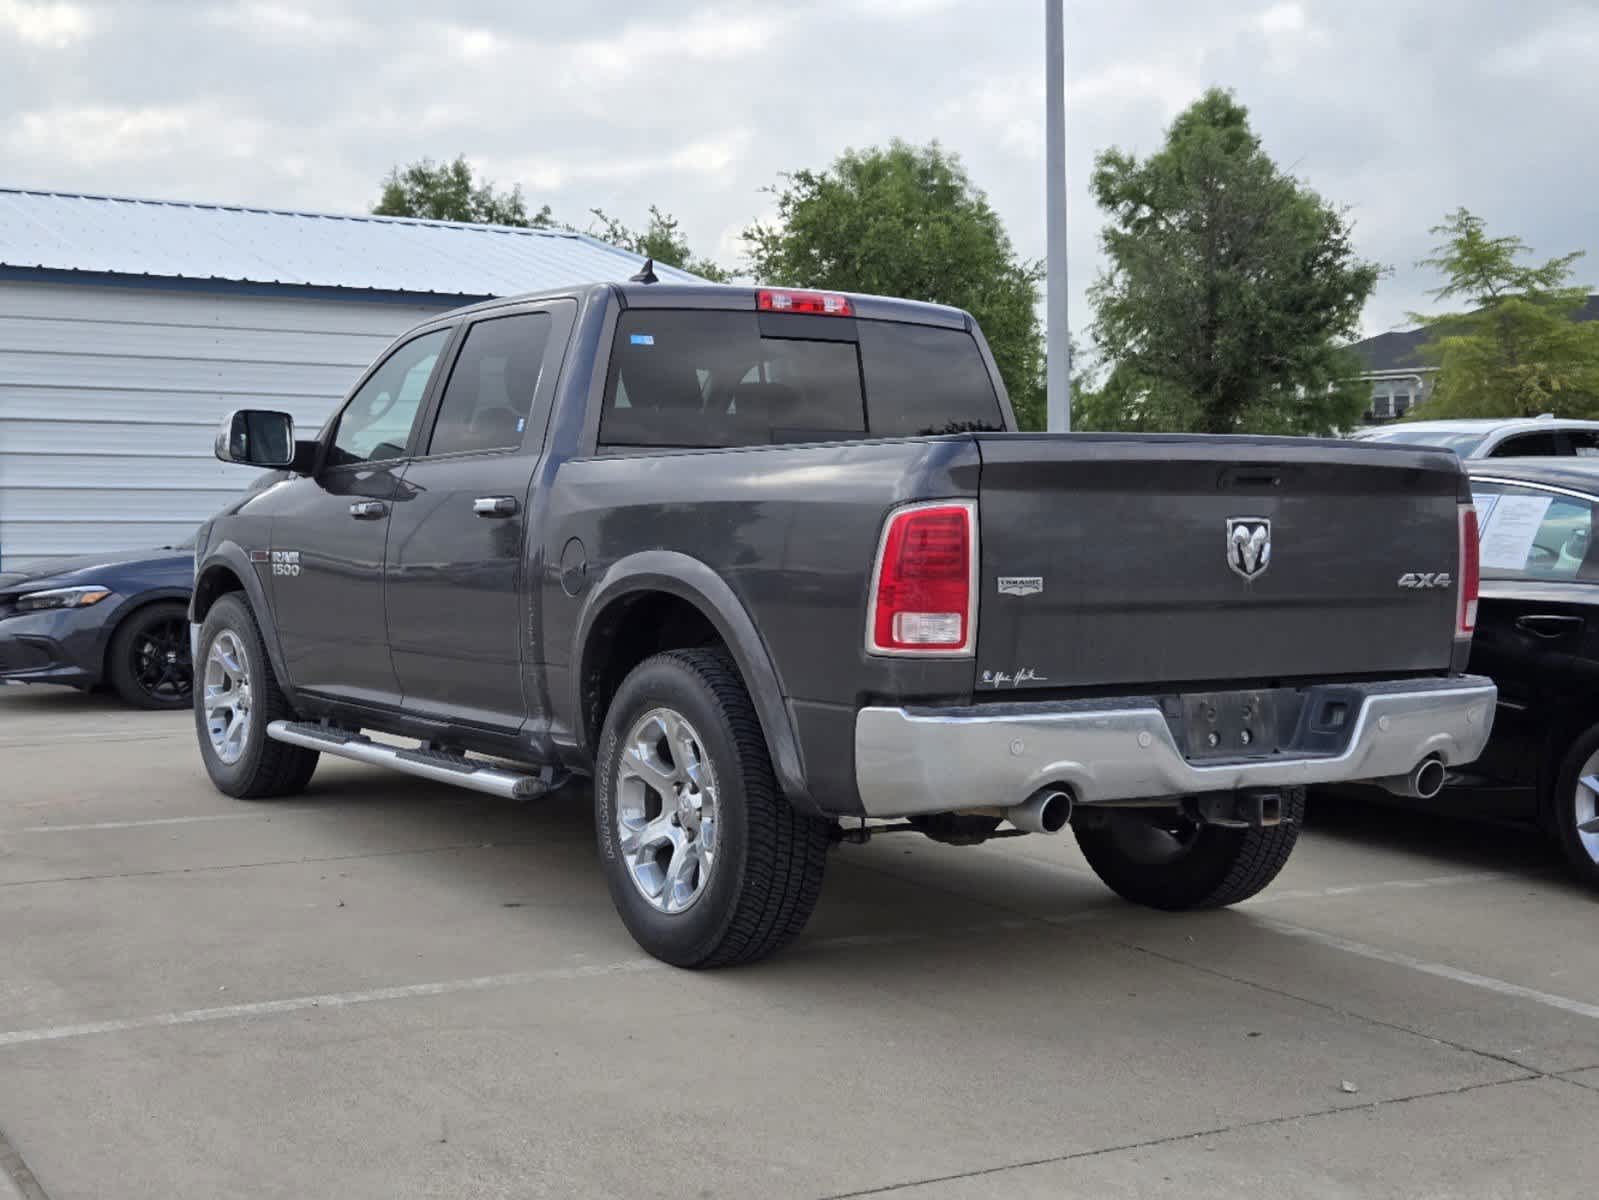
705 378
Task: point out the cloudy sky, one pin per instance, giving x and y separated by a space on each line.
1399 109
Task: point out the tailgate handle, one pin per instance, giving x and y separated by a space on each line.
1251 477
1549 625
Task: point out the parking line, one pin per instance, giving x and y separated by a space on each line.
141 824
230 1012
1276 895
481 983
1393 957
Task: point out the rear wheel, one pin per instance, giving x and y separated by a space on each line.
1164 859
147 663
236 696
1575 807
707 863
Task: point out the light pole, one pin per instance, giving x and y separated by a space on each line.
1057 345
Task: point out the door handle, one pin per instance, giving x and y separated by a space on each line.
1549 625
368 510
495 506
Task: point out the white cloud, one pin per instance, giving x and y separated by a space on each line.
288 23
1283 18
37 23
696 107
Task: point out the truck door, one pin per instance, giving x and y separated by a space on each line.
326 558
457 578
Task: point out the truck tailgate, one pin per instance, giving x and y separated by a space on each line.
1112 560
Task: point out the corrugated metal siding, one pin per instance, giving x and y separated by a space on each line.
110 399
174 240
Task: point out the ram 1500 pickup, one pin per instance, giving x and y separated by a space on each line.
775 568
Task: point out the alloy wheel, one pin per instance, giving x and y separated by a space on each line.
1585 806
667 817
159 661
227 697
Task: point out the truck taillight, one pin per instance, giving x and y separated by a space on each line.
1470 571
924 584
822 304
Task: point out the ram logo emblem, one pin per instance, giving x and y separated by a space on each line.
1249 545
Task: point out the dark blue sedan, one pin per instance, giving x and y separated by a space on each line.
120 620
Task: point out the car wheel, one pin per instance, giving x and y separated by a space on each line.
1165 860
707 863
147 663
236 696
1575 805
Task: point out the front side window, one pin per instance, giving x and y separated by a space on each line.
376 424
1529 534
490 392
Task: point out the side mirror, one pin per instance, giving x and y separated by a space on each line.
256 437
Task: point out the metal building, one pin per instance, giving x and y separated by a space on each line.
129 327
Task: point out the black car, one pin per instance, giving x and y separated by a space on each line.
1537 637
113 619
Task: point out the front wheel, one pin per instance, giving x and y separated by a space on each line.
1164 859
1575 807
147 663
707 863
236 696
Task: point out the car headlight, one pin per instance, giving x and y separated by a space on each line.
70 597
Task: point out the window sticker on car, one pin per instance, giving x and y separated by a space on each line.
642 339
1508 537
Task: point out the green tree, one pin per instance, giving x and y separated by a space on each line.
661 240
449 192
1519 351
906 221
1232 289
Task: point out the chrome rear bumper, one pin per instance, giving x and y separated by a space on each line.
921 760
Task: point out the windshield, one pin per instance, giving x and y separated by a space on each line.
1461 443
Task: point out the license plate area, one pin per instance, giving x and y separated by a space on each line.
1229 724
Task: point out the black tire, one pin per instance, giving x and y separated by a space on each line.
1203 866
767 873
264 768
1563 808
147 661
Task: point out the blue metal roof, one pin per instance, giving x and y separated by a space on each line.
165 239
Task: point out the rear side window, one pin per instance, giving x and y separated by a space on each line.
1525 444
1584 442
706 378
490 392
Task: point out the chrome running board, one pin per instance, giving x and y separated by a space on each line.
438 765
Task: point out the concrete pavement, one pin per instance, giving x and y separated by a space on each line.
387 988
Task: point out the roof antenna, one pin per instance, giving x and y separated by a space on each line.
646 273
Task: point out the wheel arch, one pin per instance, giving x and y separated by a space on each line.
681 597
226 569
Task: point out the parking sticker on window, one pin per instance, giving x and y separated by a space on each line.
642 339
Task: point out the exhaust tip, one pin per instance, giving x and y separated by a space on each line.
1054 810
1428 779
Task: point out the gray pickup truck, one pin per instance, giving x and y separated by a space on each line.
776 569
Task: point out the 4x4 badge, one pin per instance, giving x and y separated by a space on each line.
1249 545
